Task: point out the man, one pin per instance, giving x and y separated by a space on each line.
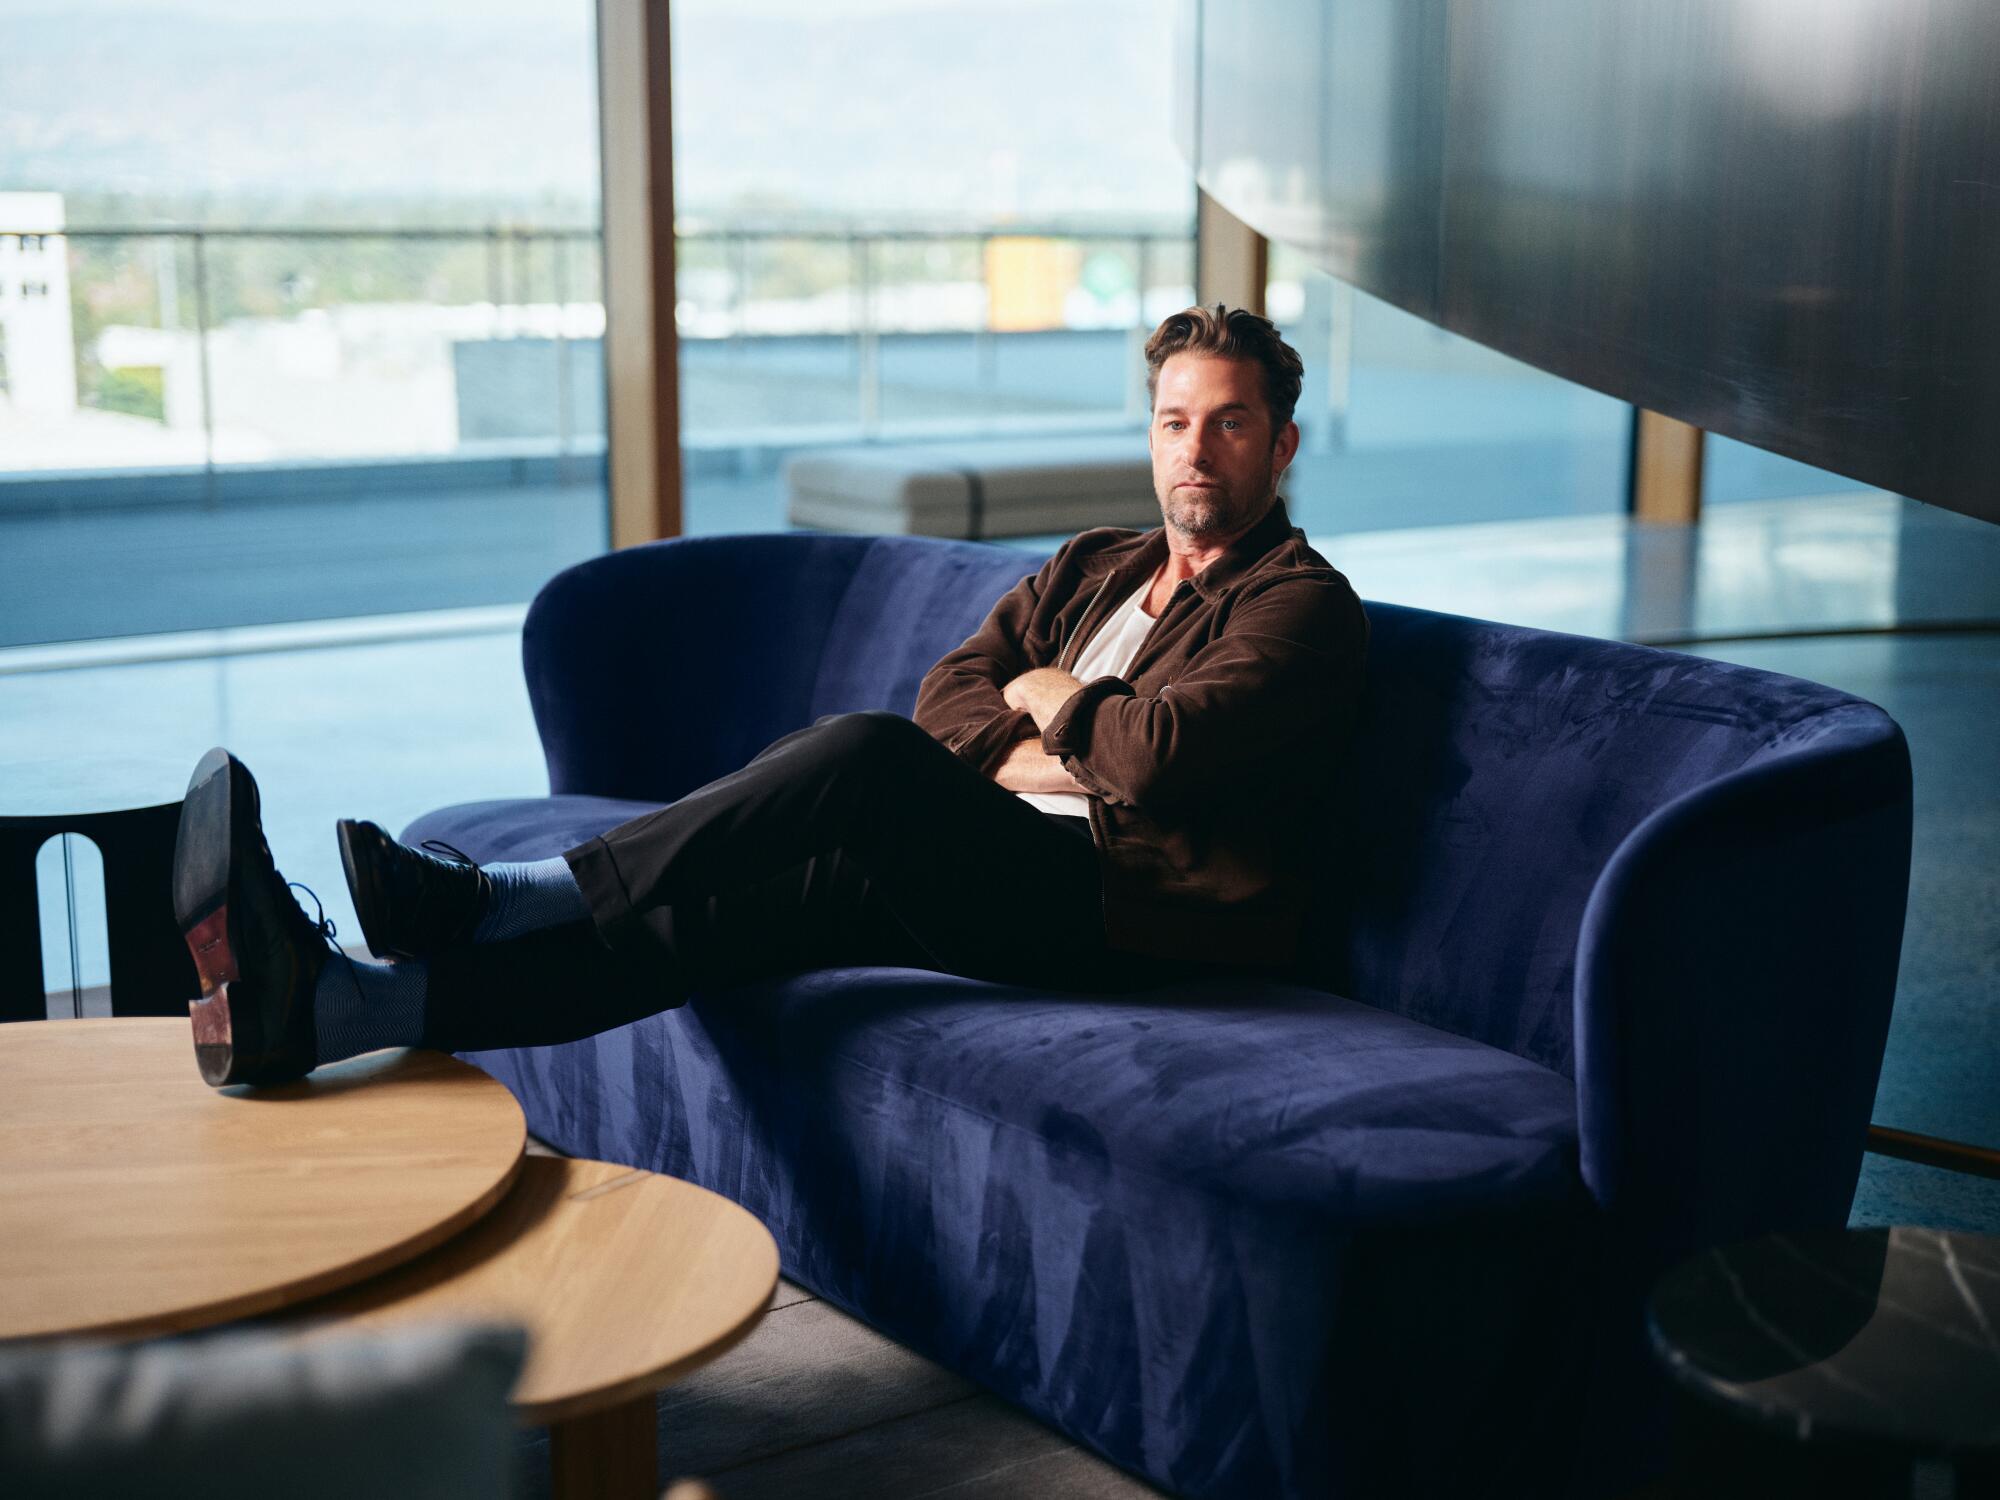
1110 780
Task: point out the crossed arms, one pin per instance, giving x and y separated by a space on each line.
1245 700
1038 692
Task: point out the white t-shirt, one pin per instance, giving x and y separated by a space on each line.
1108 654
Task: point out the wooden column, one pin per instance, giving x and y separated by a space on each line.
605 1455
1666 469
1231 260
641 351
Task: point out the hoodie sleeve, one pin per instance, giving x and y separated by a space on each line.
1284 672
959 702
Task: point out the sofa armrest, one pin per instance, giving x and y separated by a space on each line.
1735 972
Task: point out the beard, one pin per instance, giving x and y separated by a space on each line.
1200 515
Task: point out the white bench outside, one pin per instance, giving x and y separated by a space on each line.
988 487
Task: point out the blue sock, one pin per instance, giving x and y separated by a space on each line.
359 1006
528 897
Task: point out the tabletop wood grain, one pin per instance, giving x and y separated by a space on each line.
624 1279
136 1200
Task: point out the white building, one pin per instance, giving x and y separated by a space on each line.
37 347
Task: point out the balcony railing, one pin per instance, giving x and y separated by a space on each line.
207 348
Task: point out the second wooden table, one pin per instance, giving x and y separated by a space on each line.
625 1280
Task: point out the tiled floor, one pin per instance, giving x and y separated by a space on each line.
1840 562
816 1406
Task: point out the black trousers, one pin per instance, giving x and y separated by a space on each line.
860 840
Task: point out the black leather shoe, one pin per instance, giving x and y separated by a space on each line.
257 954
412 904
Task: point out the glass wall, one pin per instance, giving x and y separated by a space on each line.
912 238
1404 424
301 399
302 314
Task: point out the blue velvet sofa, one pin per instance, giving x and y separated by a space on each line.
1600 973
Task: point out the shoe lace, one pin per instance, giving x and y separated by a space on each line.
323 925
321 922
448 851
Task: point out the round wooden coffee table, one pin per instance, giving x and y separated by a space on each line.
136 1200
625 1281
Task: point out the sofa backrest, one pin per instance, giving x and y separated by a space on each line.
657 668
1493 772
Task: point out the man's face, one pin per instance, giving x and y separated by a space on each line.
1216 461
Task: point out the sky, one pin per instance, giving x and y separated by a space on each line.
868 108
470 12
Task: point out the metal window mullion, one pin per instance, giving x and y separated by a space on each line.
869 340
201 320
565 417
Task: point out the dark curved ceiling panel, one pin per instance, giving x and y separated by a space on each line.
1776 219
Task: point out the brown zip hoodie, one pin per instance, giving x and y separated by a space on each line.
1207 760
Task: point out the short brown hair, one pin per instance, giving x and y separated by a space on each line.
1231 333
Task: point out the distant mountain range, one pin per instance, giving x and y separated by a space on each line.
967 110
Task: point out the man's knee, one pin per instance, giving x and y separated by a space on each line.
871 734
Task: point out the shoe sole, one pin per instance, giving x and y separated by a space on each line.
221 802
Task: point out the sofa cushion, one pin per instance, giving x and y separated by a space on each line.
1241 1087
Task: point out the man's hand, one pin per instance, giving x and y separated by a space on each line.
1029 768
1041 692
